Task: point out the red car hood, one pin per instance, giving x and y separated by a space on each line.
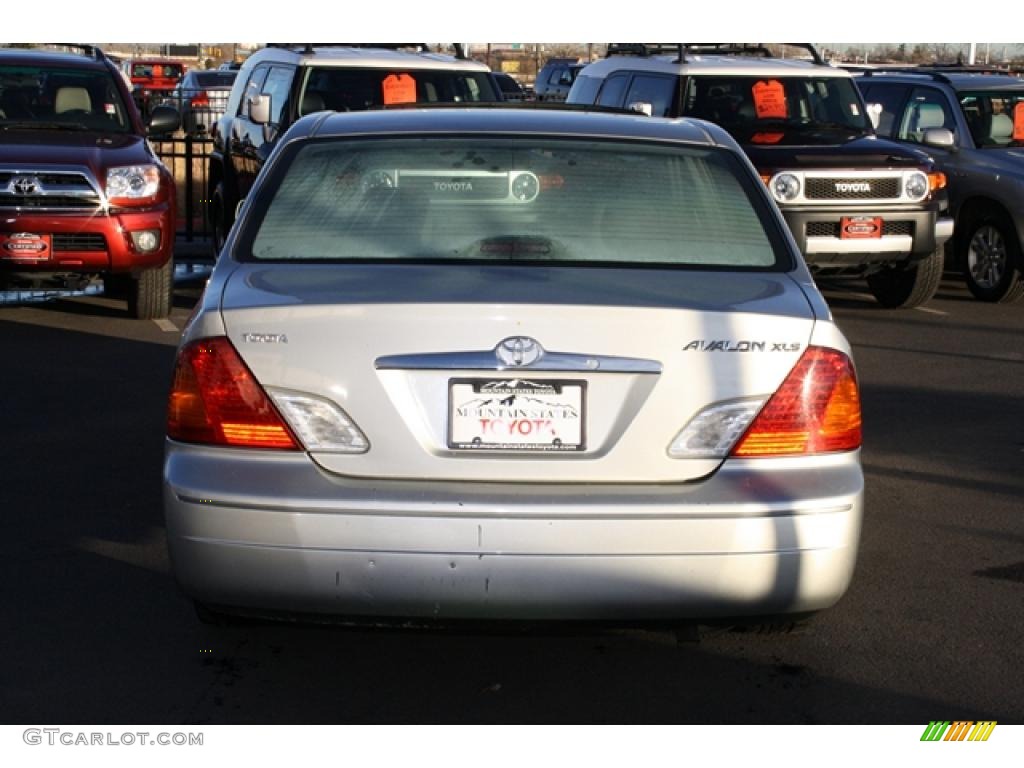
32 150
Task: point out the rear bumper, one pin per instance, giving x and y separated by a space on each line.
94 242
262 531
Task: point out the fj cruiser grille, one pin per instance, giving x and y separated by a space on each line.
852 188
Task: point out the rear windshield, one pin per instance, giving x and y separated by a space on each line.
215 78
57 98
345 89
514 200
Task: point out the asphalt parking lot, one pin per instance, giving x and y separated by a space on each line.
97 633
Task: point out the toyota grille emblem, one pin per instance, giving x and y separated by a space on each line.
25 185
518 351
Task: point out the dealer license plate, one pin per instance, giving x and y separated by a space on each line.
25 246
854 227
516 415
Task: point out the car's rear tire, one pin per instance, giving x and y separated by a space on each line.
151 294
910 287
991 258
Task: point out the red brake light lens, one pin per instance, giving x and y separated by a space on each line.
816 410
201 100
215 399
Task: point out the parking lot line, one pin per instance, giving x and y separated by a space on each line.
166 325
932 311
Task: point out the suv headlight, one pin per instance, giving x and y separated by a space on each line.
135 183
785 187
916 186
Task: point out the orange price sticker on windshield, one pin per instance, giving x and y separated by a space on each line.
769 99
1018 121
399 89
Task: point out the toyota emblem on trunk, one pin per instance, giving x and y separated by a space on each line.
518 351
25 185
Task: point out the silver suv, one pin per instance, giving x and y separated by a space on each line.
857 205
281 83
973 125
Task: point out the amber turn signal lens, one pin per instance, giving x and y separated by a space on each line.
936 180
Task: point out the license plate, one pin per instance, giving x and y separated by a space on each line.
516 415
853 227
25 246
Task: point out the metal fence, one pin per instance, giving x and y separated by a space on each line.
185 156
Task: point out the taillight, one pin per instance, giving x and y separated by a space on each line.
202 100
816 410
215 399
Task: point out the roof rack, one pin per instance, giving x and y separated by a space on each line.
460 52
940 73
871 72
721 49
91 51
646 49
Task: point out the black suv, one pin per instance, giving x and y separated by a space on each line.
279 84
972 122
857 205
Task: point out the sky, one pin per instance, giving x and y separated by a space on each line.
526 20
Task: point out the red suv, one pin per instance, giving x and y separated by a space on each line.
153 80
82 194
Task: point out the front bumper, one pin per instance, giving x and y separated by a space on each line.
91 242
910 235
262 531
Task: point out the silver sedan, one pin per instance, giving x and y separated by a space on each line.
510 363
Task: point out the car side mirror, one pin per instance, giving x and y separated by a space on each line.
875 114
940 138
259 109
162 121
642 107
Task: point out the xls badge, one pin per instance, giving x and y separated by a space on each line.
741 345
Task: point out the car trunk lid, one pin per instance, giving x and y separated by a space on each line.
636 353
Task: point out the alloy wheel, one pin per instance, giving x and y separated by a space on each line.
986 256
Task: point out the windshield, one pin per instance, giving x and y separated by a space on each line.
996 118
745 106
515 200
345 89
60 99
